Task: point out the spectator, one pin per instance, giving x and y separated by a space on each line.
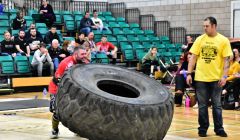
28 34
108 48
97 21
34 41
211 51
21 44
71 47
180 80
52 34
151 62
80 40
90 39
47 13
86 24
233 78
7 45
64 51
54 52
86 46
41 59
19 22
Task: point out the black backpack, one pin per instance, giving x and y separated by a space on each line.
228 102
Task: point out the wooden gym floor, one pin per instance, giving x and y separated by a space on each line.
36 124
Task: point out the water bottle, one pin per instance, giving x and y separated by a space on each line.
45 93
187 101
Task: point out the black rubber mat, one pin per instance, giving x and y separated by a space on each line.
23 104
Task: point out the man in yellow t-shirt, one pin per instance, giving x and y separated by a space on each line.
211 54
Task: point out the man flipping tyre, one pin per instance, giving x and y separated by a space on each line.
79 57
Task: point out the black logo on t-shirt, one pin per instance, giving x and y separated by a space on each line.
209 52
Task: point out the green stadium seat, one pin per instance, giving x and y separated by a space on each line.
4 17
123 25
107 13
120 19
138 47
118 31
102 58
149 32
28 18
69 38
31 12
43 31
110 18
4 23
136 43
138 31
1 38
141 36
7 65
57 12
66 12
165 39
128 55
154 38
67 18
126 47
140 54
41 25
78 17
70 26
133 39
128 31
134 25
77 13
58 19
124 43
15 32
22 64
144 39
107 32
122 39
113 25
97 32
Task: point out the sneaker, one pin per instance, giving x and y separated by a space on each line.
54 134
222 133
237 108
151 76
202 134
224 91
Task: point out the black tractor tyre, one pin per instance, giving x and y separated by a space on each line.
105 102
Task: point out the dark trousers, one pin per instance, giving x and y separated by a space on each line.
234 85
206 91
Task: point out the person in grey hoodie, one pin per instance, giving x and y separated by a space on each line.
41 58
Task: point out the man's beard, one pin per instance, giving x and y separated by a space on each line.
21 37
33 35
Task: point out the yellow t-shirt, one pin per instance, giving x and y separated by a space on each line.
234 69
211 52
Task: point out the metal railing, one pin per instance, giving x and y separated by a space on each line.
178 35
118 9
133 15
161 28
147 22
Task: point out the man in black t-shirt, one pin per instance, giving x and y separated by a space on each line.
34 41
7 46
28 34
21 44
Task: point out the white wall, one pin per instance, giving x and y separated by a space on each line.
143 3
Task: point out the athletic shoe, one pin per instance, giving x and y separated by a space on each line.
222 133
54 134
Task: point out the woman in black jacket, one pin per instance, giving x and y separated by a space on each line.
47 13
19 22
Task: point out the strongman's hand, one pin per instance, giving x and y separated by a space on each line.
222 82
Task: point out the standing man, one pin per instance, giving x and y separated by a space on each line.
211 52
79 57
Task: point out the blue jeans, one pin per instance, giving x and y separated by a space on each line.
86 30
55 63
206 91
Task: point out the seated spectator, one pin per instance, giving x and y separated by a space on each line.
21 44
28 34
54 52
34 41
64 51
86 46
7 46
71 47
233 79
52 34
90 39
80 40
97 21
48 15
188 45
41 59
86 24
180 79
151 62
19 22
108 48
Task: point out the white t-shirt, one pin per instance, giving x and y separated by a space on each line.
97 21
